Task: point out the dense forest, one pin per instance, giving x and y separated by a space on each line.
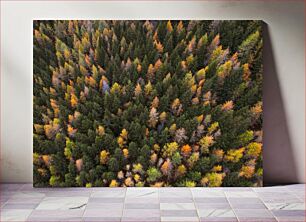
147 103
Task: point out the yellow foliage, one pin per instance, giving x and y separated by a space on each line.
181 170
193 159
169 149
129 182
169 26
218 153
175 103
148 88
104 155
36 158
204 181
137 177
74 100
83 70
137 168
202 41
153 158
39 128
200 75
217 52
186 150
157 184
193 89
51 129
113 183
199 91
213 179
42 172
67 153
217 168
95 72
100 131
190 59
88 185
225 69
206 142
120 141
150 70
213 127
156 147
172 128
200 118
163 116
189 183
234 155
254 149
124 134
125 152
116 88
246 72
90 81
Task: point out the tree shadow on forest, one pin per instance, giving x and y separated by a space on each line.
278 160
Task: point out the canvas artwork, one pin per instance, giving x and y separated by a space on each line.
147 103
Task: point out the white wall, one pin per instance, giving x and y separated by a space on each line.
284 148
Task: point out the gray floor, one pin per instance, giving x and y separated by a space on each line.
21 202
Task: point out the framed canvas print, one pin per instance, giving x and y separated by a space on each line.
147 103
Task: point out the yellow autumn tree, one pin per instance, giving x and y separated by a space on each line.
124 134
150 72
181 170
73 100
104 156
212 179
116 88
169 149
234 155
148 88
169 26
254 149
206 142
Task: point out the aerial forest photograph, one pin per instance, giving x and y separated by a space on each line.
147 103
